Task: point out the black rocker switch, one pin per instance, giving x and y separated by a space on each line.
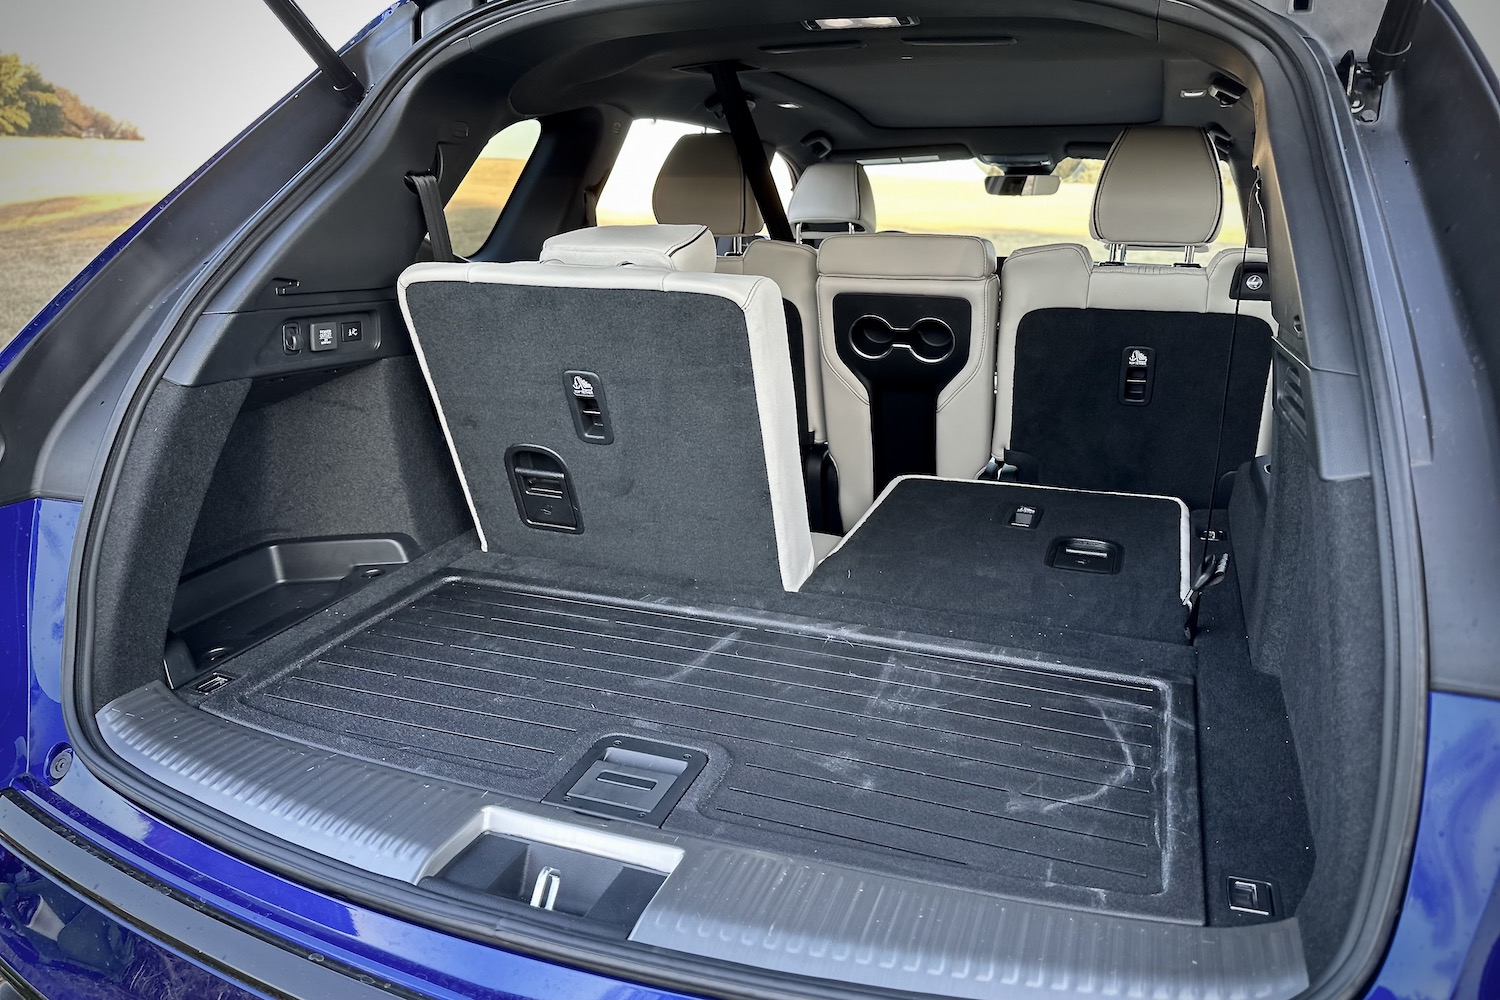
322 335
1248 895
1025 517
1137 372
589 407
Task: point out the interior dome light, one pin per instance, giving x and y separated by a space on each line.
838 23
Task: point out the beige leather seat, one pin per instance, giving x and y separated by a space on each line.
908 352
702 183
831 198
1070 327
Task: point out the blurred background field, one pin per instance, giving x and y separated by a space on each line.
186 75
61 202
475 206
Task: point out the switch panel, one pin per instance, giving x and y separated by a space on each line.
301 341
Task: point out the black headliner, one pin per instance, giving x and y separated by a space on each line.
1063 82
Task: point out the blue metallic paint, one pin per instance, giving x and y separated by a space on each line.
414 957
36 542
1456 865
63 947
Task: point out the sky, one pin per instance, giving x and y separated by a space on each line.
189 73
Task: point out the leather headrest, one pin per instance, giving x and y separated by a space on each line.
832 194
1160 188
666 248
702 183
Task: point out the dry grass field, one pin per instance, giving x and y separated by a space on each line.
476 204
44 243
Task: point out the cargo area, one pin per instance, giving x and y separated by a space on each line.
943 762
1141 776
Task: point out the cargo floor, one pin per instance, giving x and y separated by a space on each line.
936 759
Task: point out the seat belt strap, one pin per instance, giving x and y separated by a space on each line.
752 154
431 200
757 169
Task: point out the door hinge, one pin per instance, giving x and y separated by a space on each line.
1360 88
1365 81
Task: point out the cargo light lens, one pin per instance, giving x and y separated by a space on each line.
839 23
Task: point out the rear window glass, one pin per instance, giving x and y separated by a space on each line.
475 207
949 197
626 198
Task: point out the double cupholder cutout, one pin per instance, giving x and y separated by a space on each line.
928 339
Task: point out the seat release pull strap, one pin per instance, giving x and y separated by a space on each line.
431 199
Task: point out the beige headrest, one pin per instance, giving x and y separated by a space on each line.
906 255
1160 188
832 194
666 248
701 182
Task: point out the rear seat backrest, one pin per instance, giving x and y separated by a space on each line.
1069 327
702 183
908 358
702 478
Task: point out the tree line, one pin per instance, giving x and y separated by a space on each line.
30 105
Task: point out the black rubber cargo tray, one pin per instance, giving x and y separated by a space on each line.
939 761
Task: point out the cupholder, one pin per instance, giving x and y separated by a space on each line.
928 339
932 341
872 337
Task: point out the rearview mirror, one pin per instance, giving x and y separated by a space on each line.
1022 184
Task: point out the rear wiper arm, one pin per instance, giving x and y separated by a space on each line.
314 44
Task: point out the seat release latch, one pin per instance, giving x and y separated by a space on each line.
1137 373
589 408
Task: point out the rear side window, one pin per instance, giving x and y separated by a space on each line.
626 198
475 207
949 197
